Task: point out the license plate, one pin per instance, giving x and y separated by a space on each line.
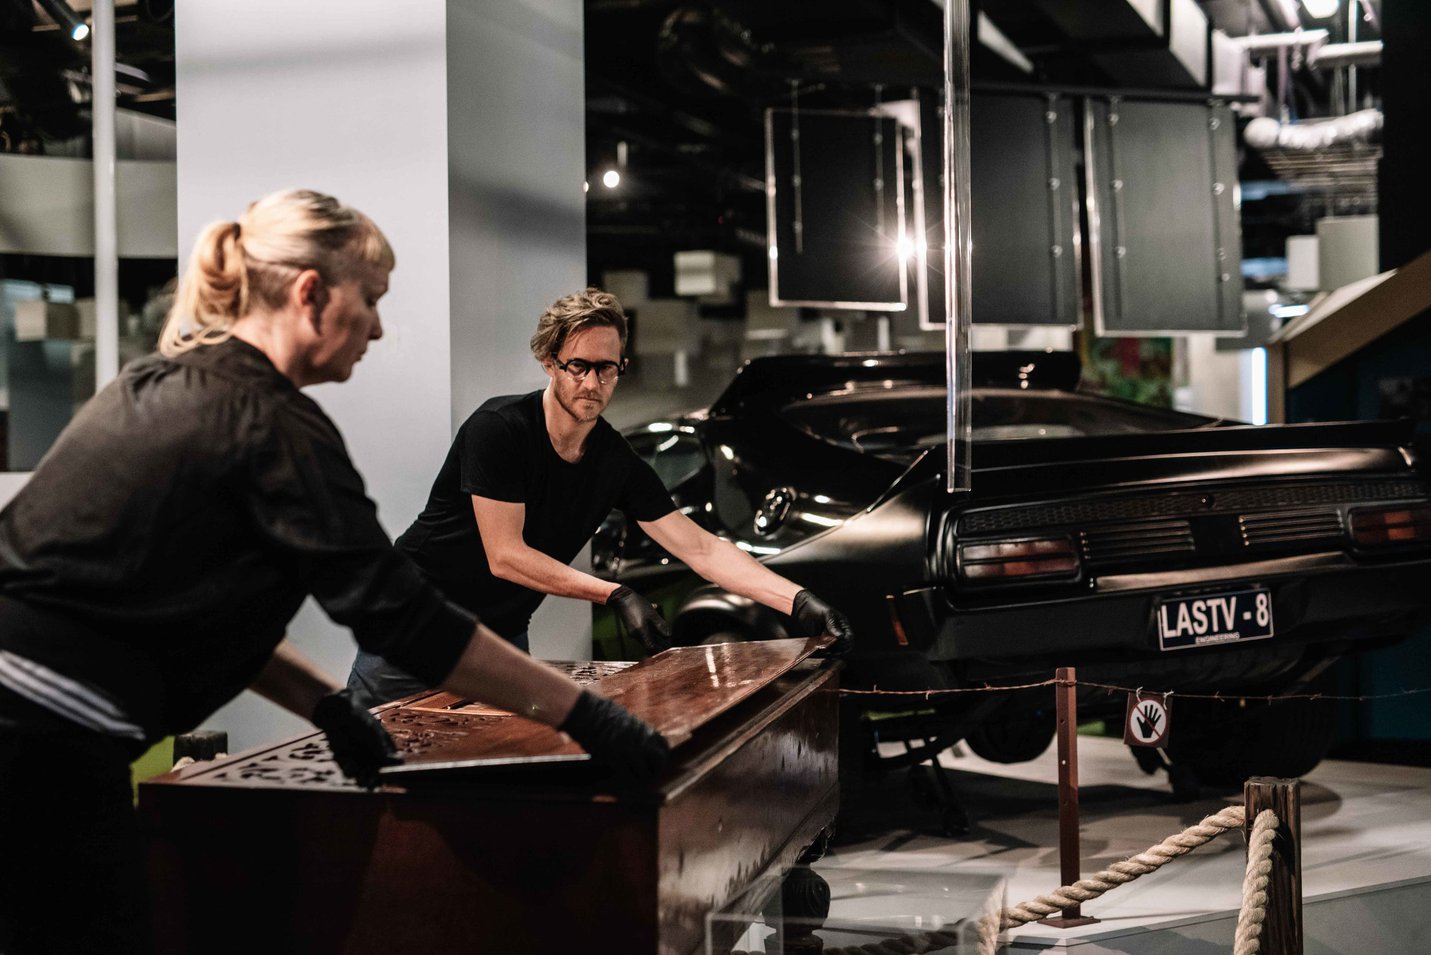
1209 619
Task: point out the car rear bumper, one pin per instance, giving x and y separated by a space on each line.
1315 598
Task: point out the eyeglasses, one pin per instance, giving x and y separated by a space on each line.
578 368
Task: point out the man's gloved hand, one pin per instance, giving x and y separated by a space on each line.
359 743
815 617
641 618
616 738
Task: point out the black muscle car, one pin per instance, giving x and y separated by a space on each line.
1146 547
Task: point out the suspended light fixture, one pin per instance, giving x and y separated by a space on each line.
68 20
1320 9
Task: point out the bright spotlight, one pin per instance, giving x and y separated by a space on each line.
66 18
905 248
1320 9
611 179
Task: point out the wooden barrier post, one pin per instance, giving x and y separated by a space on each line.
1069 861
1282 930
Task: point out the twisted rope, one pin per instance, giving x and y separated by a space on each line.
1249 919
1248 938
1120 873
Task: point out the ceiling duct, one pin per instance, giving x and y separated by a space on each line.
1362 127
1334 157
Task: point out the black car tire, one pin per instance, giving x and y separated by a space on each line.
1285 740
1014 737
723 636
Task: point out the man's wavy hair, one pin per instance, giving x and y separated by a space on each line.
590 308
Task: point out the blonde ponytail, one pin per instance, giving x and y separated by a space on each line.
212 294
237 266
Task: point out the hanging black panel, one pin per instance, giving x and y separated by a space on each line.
1024 210
834 185
1162 217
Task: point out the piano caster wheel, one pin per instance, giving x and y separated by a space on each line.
804 900
808 945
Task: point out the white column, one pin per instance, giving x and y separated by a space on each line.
438 119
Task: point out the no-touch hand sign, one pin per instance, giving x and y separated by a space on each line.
1147 721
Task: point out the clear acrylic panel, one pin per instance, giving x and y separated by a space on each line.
958 250
839 910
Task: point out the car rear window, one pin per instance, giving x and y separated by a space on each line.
899 422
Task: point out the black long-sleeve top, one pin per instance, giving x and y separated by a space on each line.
161 547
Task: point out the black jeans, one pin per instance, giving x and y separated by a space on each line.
73 879
374 680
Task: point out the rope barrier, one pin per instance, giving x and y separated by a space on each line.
1120 873
1112 688
1249 920
1248 938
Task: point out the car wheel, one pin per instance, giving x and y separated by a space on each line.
1013 736
1286 740
724 636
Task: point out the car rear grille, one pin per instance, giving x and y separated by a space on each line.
1291 528
1140 542
1130 507
1052 515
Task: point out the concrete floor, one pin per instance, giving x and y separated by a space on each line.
1366 842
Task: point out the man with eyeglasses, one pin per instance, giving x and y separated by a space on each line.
528 480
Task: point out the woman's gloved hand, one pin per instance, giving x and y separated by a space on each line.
816 618
641 618
360 744
615 737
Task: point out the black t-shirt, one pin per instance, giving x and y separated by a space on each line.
503 452
177 524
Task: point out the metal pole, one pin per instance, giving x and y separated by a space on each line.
106 238
1282 929
1069 861
1351 70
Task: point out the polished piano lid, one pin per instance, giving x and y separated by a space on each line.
440 734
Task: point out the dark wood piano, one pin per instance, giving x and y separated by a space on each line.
496 835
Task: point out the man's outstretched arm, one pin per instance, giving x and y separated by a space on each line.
721 562
510 557
726 565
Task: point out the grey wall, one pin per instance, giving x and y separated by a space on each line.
516 119
385 105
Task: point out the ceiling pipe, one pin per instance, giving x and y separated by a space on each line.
1266 43
1366 53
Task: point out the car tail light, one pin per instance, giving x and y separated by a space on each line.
1388 526
1009 560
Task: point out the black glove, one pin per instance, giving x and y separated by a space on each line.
816 618
359 743
616 738
643 621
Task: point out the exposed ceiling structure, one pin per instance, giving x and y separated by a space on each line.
44 71
677 89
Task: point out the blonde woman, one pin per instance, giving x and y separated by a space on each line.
150 566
